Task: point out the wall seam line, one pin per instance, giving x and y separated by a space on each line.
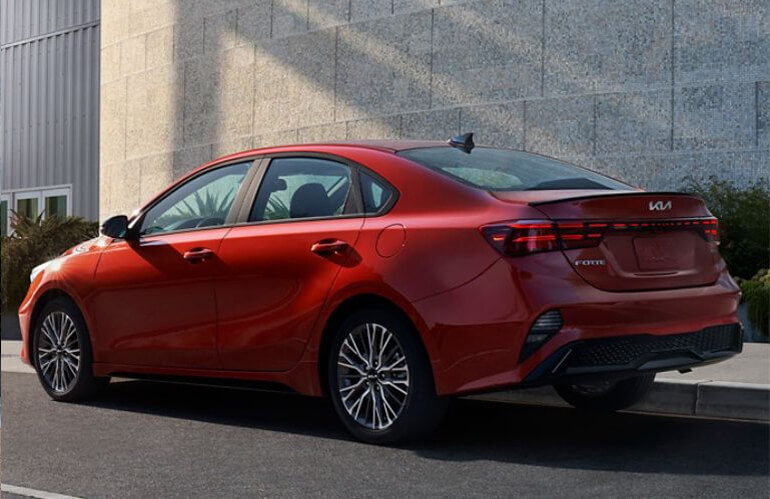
595 106
756 114
272 4
673 72
524 128
542 54
430 75
336 72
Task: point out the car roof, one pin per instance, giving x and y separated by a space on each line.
392 146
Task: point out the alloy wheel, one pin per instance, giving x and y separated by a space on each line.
58 351
372 376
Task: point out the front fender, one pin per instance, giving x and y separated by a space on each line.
70 274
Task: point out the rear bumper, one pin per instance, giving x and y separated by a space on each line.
479 328
624 356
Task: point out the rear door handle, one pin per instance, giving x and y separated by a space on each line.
198 255
327 246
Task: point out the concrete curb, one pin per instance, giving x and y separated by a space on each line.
681 397
10 362
707 399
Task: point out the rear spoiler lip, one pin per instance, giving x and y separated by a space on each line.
619 194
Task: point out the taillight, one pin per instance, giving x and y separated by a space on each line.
523 237
711 229
533 236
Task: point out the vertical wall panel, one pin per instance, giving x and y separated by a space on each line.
49 98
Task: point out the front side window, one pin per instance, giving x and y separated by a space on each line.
302 188
506 170
204 201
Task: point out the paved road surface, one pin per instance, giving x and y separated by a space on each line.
157 440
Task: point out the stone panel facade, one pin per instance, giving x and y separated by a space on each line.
650 91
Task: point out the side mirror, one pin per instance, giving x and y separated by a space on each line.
116 227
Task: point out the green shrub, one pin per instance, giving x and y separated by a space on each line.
744 222
33 242
756 293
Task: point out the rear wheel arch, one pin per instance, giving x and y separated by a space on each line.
344 310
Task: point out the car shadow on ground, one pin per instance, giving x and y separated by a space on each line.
478 430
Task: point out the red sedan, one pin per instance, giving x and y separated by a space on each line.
389 276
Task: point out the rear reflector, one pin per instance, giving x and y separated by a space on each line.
546 325
524 237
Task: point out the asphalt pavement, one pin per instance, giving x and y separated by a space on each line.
146 439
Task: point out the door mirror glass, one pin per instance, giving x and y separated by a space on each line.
116 227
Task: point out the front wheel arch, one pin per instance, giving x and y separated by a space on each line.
44 299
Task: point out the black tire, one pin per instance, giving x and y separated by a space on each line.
421 411
83 385
608 396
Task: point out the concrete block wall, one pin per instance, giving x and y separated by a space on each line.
650 91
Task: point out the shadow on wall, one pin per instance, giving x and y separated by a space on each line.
248 82
242 74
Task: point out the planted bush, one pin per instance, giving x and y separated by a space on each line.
33 242
756 293
744 222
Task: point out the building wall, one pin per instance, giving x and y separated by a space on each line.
49 97
651 91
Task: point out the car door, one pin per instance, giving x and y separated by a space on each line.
302 229
155 302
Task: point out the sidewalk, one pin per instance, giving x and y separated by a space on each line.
738 388
735 389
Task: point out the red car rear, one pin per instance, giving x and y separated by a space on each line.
389 276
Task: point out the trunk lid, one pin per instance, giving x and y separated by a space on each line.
640 240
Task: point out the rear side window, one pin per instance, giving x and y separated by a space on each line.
302 188
376 193
506 170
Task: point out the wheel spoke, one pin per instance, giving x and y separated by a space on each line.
369 334
385 339
396 387
352 366
48 331
47 365
398 361
353 348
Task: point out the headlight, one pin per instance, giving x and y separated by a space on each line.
37 270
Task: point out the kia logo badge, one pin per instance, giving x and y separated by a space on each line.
660 205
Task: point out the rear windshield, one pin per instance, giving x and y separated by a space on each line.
506 170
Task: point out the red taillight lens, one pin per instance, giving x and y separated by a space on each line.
711 229
522 237
532 236
580 234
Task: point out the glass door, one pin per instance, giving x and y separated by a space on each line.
28 204
5 216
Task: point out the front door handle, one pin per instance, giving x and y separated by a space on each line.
327 246
198 255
